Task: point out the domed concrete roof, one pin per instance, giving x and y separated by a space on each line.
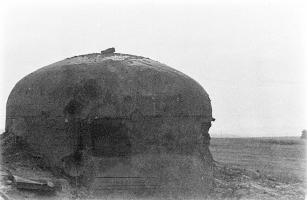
124 83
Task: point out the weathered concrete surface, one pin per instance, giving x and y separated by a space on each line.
111 105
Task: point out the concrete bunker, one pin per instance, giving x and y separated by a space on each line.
105 108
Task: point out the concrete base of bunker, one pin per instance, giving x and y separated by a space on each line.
106 161
160 175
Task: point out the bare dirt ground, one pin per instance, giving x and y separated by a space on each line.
259 168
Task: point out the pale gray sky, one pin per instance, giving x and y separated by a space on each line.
250 57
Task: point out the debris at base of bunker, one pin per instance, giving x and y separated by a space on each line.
35 185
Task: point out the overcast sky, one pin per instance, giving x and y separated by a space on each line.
250 57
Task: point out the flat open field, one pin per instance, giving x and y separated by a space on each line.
283 158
